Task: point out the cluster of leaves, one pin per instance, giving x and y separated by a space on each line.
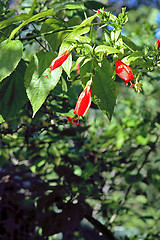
97 60
95 171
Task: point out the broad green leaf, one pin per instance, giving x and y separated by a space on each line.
10 21
12 92
4 34
31 19
132 57
44 60
104 89
131 45
106 49
38 87
84 39
54 39
87 21
10 55
94 5
74 21
86 71
72 5
75 35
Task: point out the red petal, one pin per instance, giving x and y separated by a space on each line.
123 71
58 61
83 102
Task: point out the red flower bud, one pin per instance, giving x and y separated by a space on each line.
58 61
83 102
124 71
158 43
99 12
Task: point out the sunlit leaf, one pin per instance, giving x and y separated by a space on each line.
12 92
104 89
10 55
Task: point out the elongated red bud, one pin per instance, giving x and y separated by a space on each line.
83 102
158 43
124 71
58 61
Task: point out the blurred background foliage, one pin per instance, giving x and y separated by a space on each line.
63 181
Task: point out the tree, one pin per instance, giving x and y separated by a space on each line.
60 176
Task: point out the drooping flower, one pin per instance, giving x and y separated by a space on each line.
83 102
124 71
158 43
58 61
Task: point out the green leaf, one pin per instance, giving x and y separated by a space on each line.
75 35
38 87
10 55
104 89
79 60
31 19
1 119
107 49
87 21
9 21
44 60
73 5
131 45
131 179
12 92
94 5
86 71
4 34
54 39
133 57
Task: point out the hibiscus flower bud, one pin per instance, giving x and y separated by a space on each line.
158 43
83 102
58 61
124 71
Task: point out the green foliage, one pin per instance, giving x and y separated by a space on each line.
104 89
10 55
12 92
56 174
